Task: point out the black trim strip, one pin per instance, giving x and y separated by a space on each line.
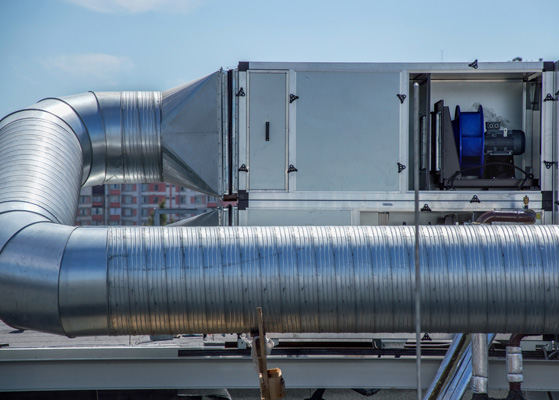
243 66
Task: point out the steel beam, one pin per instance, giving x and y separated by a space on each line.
162 368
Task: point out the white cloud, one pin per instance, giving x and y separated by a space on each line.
138 6
90 65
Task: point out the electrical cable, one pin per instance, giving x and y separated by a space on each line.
527 175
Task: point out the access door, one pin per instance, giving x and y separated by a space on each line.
267 130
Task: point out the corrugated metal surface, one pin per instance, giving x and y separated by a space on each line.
141 137
40 165
332 279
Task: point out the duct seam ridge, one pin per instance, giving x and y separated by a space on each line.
141 136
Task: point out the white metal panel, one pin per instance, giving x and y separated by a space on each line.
348 131
463 67
547 132
267 112
501 101
301 217
292 129
242 131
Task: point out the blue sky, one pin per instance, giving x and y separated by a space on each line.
61 47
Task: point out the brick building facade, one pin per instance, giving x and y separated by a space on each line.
132 204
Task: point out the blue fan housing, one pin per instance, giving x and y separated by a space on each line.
470 141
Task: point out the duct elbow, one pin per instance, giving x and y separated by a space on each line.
124 134
52 277
29 270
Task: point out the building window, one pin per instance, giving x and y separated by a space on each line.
183 199
84 199
129 188
97 211
114 198
197 199
145 187
145 200
156 200
83 212
127 212
145 212
97 199
127 199
114 211
115 186
113 223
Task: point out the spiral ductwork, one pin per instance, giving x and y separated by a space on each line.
40 166
331 279
118 281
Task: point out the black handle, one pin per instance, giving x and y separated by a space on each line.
267 131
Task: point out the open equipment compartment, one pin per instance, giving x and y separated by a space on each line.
332 143
479 130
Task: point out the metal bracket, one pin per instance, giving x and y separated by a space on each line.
240 93
426 338
473 65
292 98
243 168
475 199
401 167
260 344
426 208
291 169
549 164
242 197
402 98
549 97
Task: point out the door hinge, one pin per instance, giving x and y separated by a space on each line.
243 168
240 93
401 167
291 169
292 98
402 98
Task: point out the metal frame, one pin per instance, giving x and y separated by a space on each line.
402 200
162 368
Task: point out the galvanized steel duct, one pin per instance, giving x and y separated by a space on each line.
117 281
331 279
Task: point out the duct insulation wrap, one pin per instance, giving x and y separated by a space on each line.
480 363
514 364
147 280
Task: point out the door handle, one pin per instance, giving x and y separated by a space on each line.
267 131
